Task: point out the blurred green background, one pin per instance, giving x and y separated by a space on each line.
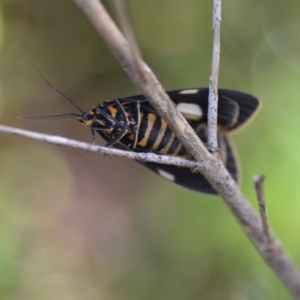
76 225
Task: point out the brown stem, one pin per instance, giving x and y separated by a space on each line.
122 10
62 141
212 141
259 188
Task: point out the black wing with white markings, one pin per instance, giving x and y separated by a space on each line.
235 108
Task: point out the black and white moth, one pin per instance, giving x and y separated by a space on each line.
131 123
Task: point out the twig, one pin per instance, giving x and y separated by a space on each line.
62 141
122 10
212 120
259 188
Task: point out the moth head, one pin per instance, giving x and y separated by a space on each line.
97 119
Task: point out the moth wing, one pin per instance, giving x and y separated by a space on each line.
196 181
248 106
235 108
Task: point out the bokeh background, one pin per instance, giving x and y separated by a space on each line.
76 225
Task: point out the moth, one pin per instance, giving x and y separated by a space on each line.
131 123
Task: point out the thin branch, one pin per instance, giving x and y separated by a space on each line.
212 122
62 141
259 188
122 10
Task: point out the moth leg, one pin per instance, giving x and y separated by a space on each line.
116 139
136 133
145 108
124 115
93 136
122 110
111 119
130 100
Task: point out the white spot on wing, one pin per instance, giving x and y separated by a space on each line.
188 92
190 111
166 175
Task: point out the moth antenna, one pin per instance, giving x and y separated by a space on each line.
50 117
61 94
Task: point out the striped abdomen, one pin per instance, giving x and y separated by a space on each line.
155 135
